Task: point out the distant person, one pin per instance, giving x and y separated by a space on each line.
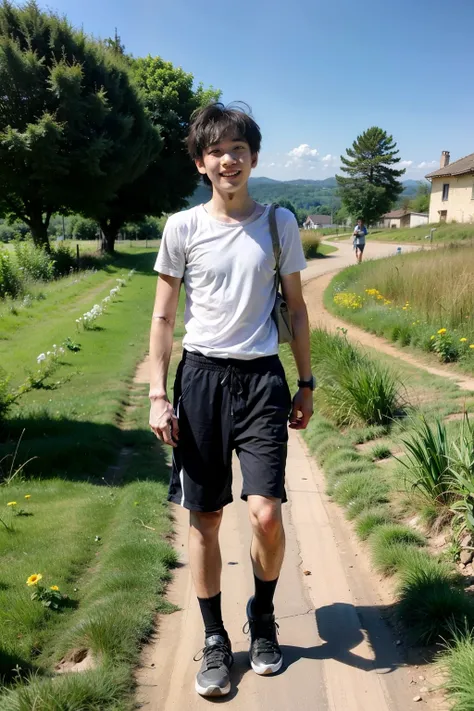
359 235
230 391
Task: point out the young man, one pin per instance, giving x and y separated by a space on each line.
359 235
230 391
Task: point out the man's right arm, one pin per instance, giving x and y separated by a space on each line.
162 419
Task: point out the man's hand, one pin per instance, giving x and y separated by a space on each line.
302 409
163 421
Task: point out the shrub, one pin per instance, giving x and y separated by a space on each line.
310 246
34 262
371 519
64 259
7 398
10 276
432 604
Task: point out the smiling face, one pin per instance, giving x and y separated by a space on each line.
227 163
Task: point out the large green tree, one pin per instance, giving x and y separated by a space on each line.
170 100
73 129
371 184
421 201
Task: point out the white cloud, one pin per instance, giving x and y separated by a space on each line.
427 164
405 164
304 152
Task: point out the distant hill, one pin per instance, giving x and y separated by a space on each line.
310 195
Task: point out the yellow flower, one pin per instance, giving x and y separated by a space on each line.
11 503
471 345
463 340
54 587
432 338
34 579
27 496
441 331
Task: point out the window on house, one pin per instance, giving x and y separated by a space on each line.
445 191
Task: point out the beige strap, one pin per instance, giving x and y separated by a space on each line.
275 242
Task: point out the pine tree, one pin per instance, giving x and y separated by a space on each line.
371 186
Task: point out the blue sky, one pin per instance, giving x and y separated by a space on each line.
316 74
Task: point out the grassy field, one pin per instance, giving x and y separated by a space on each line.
95 522
424 299
445 232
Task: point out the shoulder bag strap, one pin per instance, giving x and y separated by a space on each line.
275 242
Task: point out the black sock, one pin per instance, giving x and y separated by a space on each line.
263 600
212 615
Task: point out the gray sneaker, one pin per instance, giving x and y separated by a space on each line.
213 679
265 653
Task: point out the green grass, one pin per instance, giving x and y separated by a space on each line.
408 299
432 604
368 521
388 545
353 387
325 249
445 232
103 689
115 583
457 665
380 451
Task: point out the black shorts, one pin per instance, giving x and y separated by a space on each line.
360 247
225 405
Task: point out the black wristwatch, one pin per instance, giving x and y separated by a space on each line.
311 384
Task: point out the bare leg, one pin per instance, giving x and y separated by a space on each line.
268 542
204 552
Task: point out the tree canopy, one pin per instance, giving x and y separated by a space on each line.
73 129
372 185
170 100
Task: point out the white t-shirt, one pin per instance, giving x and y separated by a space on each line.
229 279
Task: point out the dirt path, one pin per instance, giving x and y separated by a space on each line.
340 655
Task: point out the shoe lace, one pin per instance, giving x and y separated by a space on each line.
215 655
264 635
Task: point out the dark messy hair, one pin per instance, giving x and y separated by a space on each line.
210 124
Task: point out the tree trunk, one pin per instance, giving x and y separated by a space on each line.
39 232
110 231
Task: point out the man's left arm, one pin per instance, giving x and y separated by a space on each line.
303 400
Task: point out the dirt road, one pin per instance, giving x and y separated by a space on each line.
339 653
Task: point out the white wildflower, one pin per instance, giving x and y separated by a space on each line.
41 358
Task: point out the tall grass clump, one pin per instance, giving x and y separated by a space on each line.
310 244
353 388
358 491
389 544
432 602
462 472
457 665
428 462
370 519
